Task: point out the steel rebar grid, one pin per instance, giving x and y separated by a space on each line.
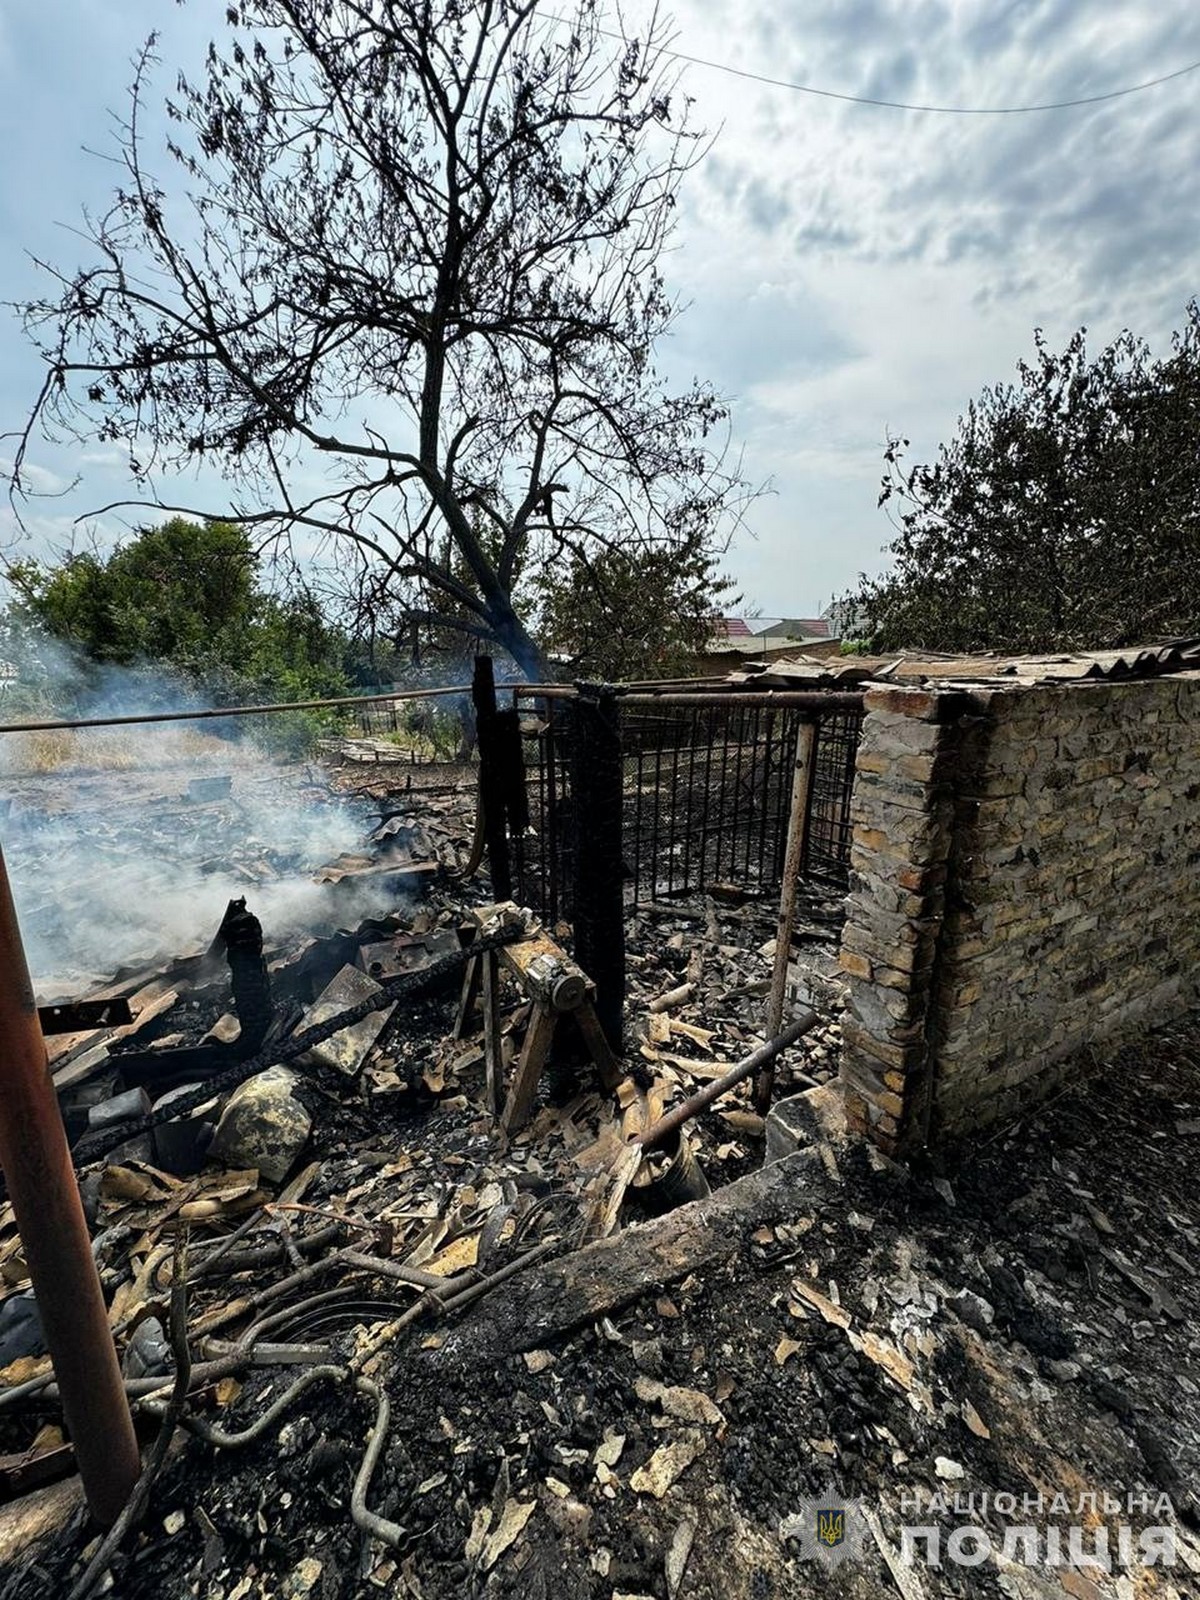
54 1235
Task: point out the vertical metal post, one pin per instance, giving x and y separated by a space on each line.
491 778
764 1084
45 1199
599 909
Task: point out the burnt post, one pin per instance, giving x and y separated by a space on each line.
241 934
45 1198
489 733
599 890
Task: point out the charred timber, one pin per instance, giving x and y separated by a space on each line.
241 934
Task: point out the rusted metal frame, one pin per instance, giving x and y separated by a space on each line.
209 713
545 691
721 724
739 723
654 810
543 895
708 750
756 789
637 824
674 1119
551 839
817 700
54 1236
768 791
786 757
801 795
674 815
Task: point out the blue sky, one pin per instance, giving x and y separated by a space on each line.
849 269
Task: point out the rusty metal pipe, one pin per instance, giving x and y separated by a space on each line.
45 1198
694 1104
210 713
816 700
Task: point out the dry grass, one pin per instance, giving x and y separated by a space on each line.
104 750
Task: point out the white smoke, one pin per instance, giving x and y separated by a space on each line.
115 856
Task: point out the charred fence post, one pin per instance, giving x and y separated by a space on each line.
599 887
54 1235
492 777
241 934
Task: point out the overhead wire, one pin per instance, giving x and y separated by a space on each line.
948 111
910 105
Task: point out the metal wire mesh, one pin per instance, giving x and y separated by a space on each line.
707 792
827 837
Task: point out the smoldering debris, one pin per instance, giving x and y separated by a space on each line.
116 869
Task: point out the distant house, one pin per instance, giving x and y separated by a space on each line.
730 631
751 636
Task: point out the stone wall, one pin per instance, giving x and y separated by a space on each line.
1023 885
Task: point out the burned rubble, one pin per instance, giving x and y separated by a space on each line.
382 1192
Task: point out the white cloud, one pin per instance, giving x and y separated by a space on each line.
849 268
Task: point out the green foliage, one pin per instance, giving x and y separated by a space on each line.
631 614
179 608
1064 513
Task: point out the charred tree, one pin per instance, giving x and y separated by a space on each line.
411 252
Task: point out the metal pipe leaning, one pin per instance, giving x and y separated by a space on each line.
54 1235
687 1109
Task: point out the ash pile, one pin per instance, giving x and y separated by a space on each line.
453 1318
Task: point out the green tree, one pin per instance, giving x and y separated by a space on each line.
414 244
179 593
1064 513
627 616
185 599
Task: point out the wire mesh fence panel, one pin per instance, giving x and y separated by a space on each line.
543 857
827 837
707 797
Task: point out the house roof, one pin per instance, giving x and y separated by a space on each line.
772 628
797 628
929 668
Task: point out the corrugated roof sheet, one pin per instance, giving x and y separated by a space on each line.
1141 661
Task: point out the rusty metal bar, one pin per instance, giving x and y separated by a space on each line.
694 1104
827 700
208 714
45 1199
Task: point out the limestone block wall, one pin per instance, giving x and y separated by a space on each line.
1024 884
